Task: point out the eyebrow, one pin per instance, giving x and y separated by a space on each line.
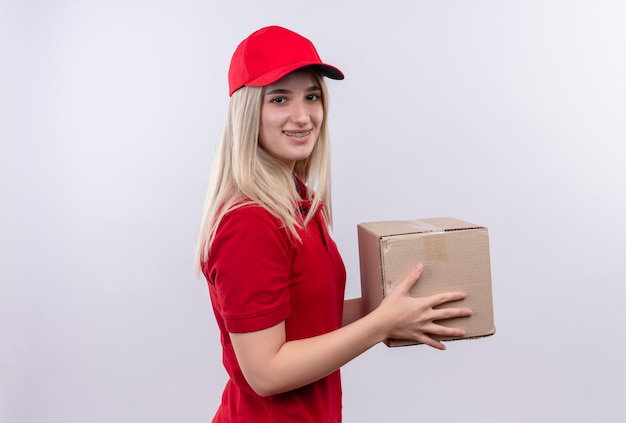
275 91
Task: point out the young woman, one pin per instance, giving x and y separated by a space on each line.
276 279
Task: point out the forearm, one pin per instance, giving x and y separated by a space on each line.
352 310
290 365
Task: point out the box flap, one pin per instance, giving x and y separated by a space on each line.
416 226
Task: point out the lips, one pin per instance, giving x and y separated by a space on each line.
300 134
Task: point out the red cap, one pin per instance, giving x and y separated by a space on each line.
271 53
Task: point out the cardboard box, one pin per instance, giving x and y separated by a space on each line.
455 255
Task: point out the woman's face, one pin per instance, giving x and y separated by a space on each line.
291 117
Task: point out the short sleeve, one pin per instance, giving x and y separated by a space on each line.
249 265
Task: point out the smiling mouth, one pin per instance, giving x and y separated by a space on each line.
297 134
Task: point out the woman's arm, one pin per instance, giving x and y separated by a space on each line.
271 365
352 311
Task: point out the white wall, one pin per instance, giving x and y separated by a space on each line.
508 114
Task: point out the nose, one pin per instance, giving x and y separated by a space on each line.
300 113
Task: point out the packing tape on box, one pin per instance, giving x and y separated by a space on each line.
435 247
425 226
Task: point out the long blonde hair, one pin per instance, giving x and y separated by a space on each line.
244 173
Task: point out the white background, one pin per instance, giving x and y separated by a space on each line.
509 114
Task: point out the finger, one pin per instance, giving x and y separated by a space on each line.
427 340
411 279
447 297
450 313
445 331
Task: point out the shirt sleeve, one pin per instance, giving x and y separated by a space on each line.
249 264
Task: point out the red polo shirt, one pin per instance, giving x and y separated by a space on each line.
259 276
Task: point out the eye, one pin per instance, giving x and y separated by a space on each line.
313 97
279 100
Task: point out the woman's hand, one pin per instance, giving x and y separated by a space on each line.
416 318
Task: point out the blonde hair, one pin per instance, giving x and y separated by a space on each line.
243 173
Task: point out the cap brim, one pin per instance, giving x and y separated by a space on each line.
328 71
276 74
